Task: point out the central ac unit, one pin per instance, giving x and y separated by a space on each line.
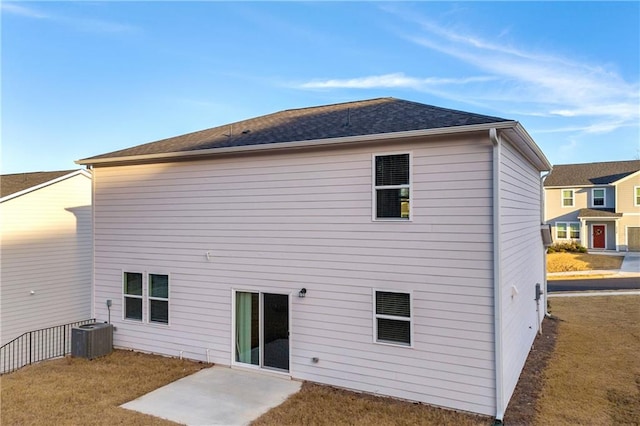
91 340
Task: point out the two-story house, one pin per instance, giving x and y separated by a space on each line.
597 204
383 245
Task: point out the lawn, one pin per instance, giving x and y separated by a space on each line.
569 262
75 391
593 376
589 373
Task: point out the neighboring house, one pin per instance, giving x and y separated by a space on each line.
384 245
46 253
597 204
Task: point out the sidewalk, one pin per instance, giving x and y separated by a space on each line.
630 268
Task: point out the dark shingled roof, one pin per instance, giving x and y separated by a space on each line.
590 173
375 116
10 184
598 213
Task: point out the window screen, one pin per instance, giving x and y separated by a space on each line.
393 317
392 186
133 295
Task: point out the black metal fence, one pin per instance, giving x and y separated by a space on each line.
37 345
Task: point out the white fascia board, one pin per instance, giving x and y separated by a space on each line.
47 183
527 147
168 156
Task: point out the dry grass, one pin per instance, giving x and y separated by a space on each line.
593 376
325 405
75 391
567 262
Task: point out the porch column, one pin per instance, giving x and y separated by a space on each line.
584 237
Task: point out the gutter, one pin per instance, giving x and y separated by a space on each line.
168 156
497 277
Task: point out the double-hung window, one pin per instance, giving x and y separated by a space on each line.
598 197
392 317
392 186
133 296
637 195
159 298
146 297
568 230
567 198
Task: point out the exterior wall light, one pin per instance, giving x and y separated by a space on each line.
302 292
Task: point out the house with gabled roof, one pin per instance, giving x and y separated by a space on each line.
384 245
46 262
596 204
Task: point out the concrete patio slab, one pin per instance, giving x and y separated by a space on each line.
216 396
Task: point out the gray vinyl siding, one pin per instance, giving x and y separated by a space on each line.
46 247
522 260
277 223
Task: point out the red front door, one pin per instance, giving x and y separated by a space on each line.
599 232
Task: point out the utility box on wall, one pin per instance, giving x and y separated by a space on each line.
91 340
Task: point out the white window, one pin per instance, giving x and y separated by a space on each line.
567 230
155 297
133 296
567 198
636 192
159 298
392 186
598 197
392 319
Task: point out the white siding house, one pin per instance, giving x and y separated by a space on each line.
46 254
382 257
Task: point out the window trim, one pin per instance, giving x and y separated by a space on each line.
125 296
146 298
374 187
636 196
568 230
161 299
573 198
393 317
604 198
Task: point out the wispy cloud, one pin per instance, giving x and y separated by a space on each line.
541 84
79 23
394 80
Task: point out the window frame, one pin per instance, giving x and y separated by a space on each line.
636 196
568 230
146 298
159 299
375 188
604 197
125 296
377 316
573 198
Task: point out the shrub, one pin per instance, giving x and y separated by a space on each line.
568 247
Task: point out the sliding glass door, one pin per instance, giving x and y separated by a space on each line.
262 330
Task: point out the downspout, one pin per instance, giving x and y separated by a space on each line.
93 241
497 276
543 214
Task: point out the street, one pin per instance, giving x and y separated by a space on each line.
594 284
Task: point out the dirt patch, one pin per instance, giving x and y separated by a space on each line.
523 405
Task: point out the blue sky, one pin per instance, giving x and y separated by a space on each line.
86 78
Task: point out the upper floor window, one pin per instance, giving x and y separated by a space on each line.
567 198
598 197
392 186
637 195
